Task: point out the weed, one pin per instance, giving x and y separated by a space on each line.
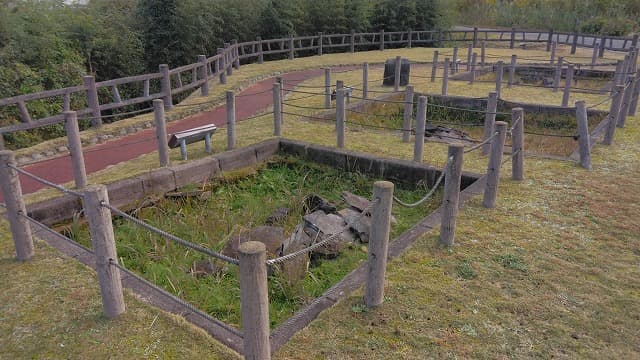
513 262
465 270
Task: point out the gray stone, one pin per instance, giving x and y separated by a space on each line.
327 225
315 202
390 69
278 215
49 153
123 132
361 225
295 269
37 156
62 149
359 203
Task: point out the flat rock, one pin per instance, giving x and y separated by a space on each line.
278 215
315 202
295 269
62 149
361 225
359 203
328 225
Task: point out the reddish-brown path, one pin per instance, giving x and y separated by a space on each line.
97 157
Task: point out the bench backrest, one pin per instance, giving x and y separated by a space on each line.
191 135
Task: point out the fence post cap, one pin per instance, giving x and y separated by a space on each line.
383 184
252 248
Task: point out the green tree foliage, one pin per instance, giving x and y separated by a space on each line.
158 21
400 15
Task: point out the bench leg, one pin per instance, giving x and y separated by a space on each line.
207 143
183 149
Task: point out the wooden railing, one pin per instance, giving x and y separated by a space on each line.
196 75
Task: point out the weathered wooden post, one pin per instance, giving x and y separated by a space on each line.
231 120
489 120
634 41
409 39
512 70
633 107
594 56
277 109
603 41
92 97
254 300
499 72
365 80
378 243
104 249
451 196
227 59
495 163
12 194
408 114
574 43
421 121
203 75
340 117
614 110
469 51
475 37
618 77
553 53
584 139
75 148
260 51
472 75
517 144
549 40
382 40
352 42
454 61
291 48
320 43
513 38
434 66
236 55
396 75
567 86
445 77
161 132
557 77
626 100
221 66
439 38
483 53
327 88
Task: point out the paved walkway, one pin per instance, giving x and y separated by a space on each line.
100 156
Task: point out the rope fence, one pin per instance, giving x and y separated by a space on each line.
45 182
430 193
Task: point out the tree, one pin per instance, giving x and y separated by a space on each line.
158 21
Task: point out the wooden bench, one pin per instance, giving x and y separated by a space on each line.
182 138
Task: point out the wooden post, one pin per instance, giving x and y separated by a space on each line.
327 88
626 100
291 48
221 66
382 40
483 53
434 66
474 60
161 132
439 38
320 41
618 75
227 59
92 97
499 72
614 110
549 40
408 114
454 61
12 195
352 42
603 41
633 107
557 77
451 196
340 117
475 37
517 144
254 300
634 41
567 86
104 249
231 120
512 70
445 77
469 51
574 43
203 74
553 52
365 80
513 38
75 148
396 75
277 109
495 163
421 121
594 56
584 139
260 51
236 55
489 120
378 243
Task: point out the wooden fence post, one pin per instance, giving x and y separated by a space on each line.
340 117
320 43
594 56
421 121
203 74
327 88
365 80
254 300
227 59
574 43
489 120
553 53
440 38
469 51
475 37
499 72
454 63
378 243
549 40
231 120
352 42
512 70
483 53
451 196
382 40
513 38
626 100
75 148
104 249
221 66
634 41
12 195
409 38
408 113
291 48
633 107
614 110
474 60
567 86
445 77
434 66
557 77
396 75
495 163
236 55
517 144
94 103
603 41
277 109
260 50
584 139
161 132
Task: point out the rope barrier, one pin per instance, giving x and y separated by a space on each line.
479 145
306 116
379 127
602 102
45 182
454 124
302 92
382 101
331 238
371 114
430 193
303 107
134 112
171 237
470 110
257 116
303 97
55 233
575 137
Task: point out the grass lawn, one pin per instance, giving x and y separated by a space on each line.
552 271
